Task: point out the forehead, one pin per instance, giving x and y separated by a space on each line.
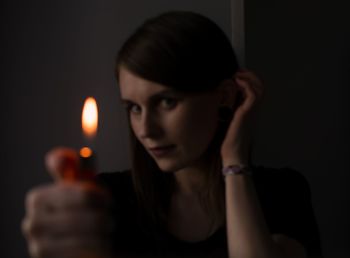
135 88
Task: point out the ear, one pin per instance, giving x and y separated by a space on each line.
228 92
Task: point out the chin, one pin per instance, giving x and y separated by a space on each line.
169 166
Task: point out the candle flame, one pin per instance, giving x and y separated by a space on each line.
89 118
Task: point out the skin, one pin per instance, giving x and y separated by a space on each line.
173 118
67 219
248 236
189 123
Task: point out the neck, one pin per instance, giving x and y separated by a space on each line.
190 180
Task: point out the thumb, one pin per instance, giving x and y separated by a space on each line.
62 163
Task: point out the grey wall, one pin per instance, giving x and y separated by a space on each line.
302 51
54 54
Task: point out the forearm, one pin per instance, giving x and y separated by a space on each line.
247 232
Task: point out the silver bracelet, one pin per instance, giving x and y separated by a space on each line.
236 170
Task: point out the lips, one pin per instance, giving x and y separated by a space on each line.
161 150
161 147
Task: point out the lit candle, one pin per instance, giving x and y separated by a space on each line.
89 121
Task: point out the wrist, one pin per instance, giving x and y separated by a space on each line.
236 170
234 161
234 157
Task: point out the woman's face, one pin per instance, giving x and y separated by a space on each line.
161 117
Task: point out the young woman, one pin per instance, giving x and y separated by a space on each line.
192 190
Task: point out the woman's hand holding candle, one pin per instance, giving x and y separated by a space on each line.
69 218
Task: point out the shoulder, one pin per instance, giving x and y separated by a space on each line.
284 173
280 180
285 198
280 190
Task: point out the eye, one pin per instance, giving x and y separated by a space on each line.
168 102
132 108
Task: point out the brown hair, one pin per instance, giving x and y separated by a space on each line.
190 53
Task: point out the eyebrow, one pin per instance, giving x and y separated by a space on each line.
155 96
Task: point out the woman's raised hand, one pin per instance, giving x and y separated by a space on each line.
235 147
67 219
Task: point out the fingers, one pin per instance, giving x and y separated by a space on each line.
50 198
251 78
251 88
66 224
249 81
63 219
63 164
66 216
69 247
45 202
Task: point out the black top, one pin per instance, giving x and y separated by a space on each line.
284 196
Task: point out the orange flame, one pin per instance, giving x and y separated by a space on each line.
85 152
89 118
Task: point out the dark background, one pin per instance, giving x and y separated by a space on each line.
56 53
301 49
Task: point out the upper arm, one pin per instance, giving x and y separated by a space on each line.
298 216
287 203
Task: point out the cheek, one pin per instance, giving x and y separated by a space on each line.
135 128
197 128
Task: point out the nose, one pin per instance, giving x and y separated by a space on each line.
149 126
